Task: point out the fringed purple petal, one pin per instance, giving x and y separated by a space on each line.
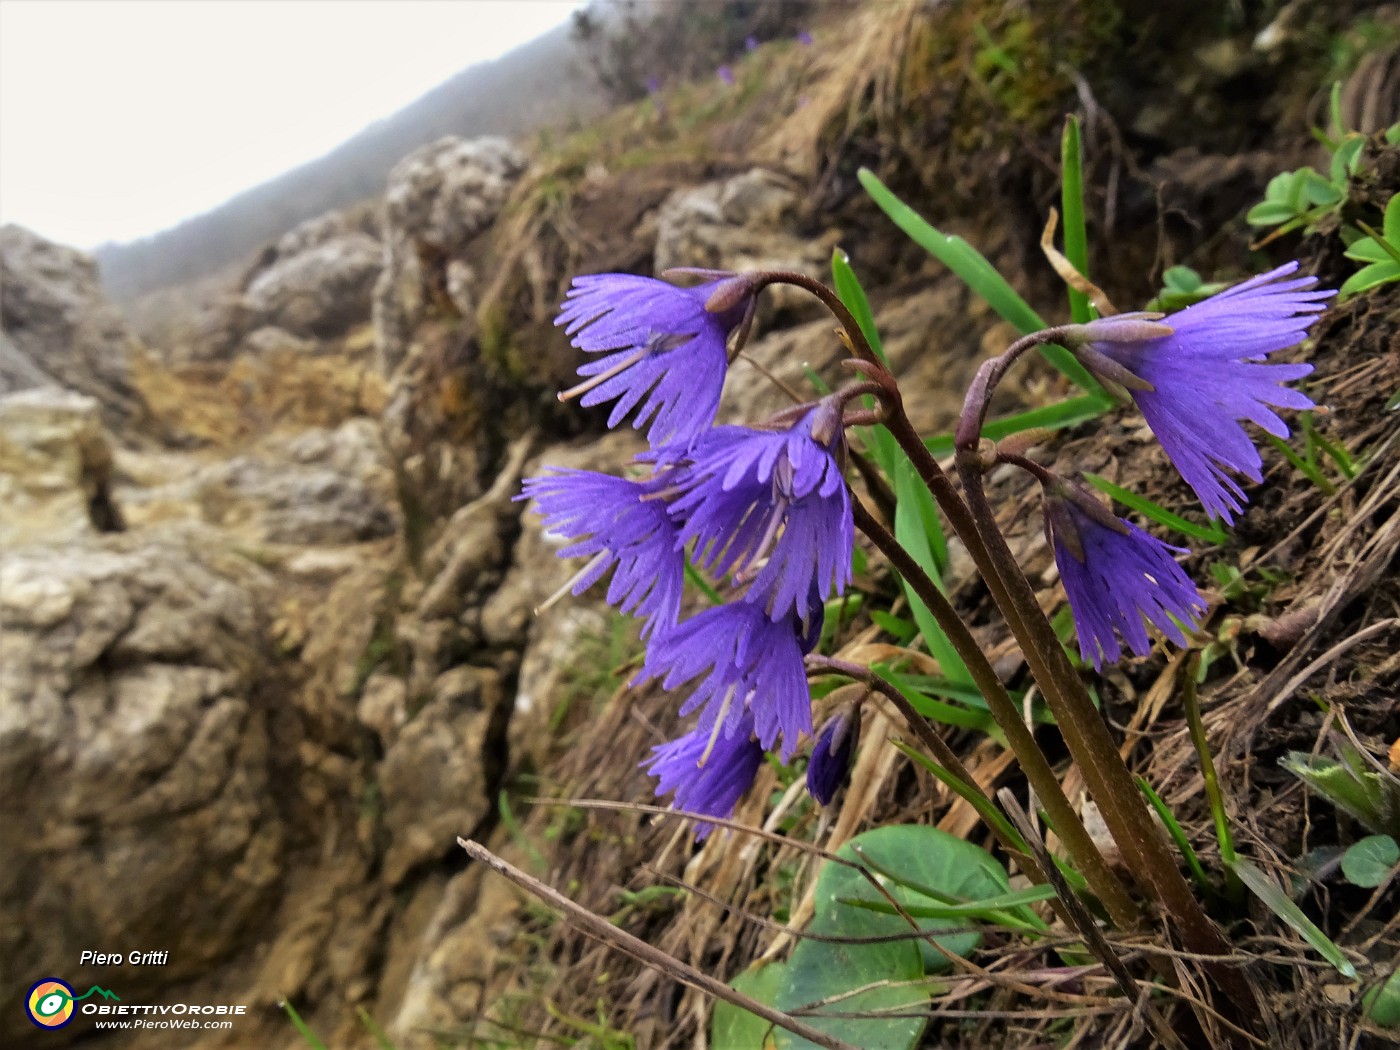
1208 376
714 786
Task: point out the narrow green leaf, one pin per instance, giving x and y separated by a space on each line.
948 714
1278 902
1174 829
902 631
850 292
918 532
878 439
701 584
1072 202
979 275
992 816
381 1039
1213 533
303 1029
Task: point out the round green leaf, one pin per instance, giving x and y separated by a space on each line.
1382 1003
1369 862
921 855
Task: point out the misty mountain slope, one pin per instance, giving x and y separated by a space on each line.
537 85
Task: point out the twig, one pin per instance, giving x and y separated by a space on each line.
596 926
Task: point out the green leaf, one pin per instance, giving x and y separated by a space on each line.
1269 213
1364 793
1174 828
1390 228
1181 279
819 971
955 869
1072 201
1277 902
1371 861
849 290
889 973
380 1037
733 1026
303 1029
948 714
918 531
878 439
1382 1003
980 275
1214 533
901 630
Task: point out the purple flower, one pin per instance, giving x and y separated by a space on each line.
804 38
831 754
1116 576
1197 384
664 350
622 524
725 74
708 774
750 43
754 675
770 503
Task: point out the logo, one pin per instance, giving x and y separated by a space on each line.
50 1001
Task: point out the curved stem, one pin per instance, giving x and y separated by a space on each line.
1086 856
854 336
984 383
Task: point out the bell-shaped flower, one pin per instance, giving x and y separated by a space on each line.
707 775
621 525
1116 576
770 506
752 671
663 348
831 753
1197 383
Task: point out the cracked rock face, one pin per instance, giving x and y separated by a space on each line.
57 327
55 468
437 200
136 799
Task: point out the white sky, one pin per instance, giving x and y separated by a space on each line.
120 118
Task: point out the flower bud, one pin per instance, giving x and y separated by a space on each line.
831 754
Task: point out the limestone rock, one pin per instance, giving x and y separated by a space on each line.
741 223
437 200
320 487
319 292
57 322
55 468
438 776
136 798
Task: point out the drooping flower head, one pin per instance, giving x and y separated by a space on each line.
831 754
752 668
663 348
707 775
771 506
1117 577
1196 384
617 523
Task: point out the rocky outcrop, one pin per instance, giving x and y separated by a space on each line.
321 291
56 324
55 468
136 781
741 223
438 199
